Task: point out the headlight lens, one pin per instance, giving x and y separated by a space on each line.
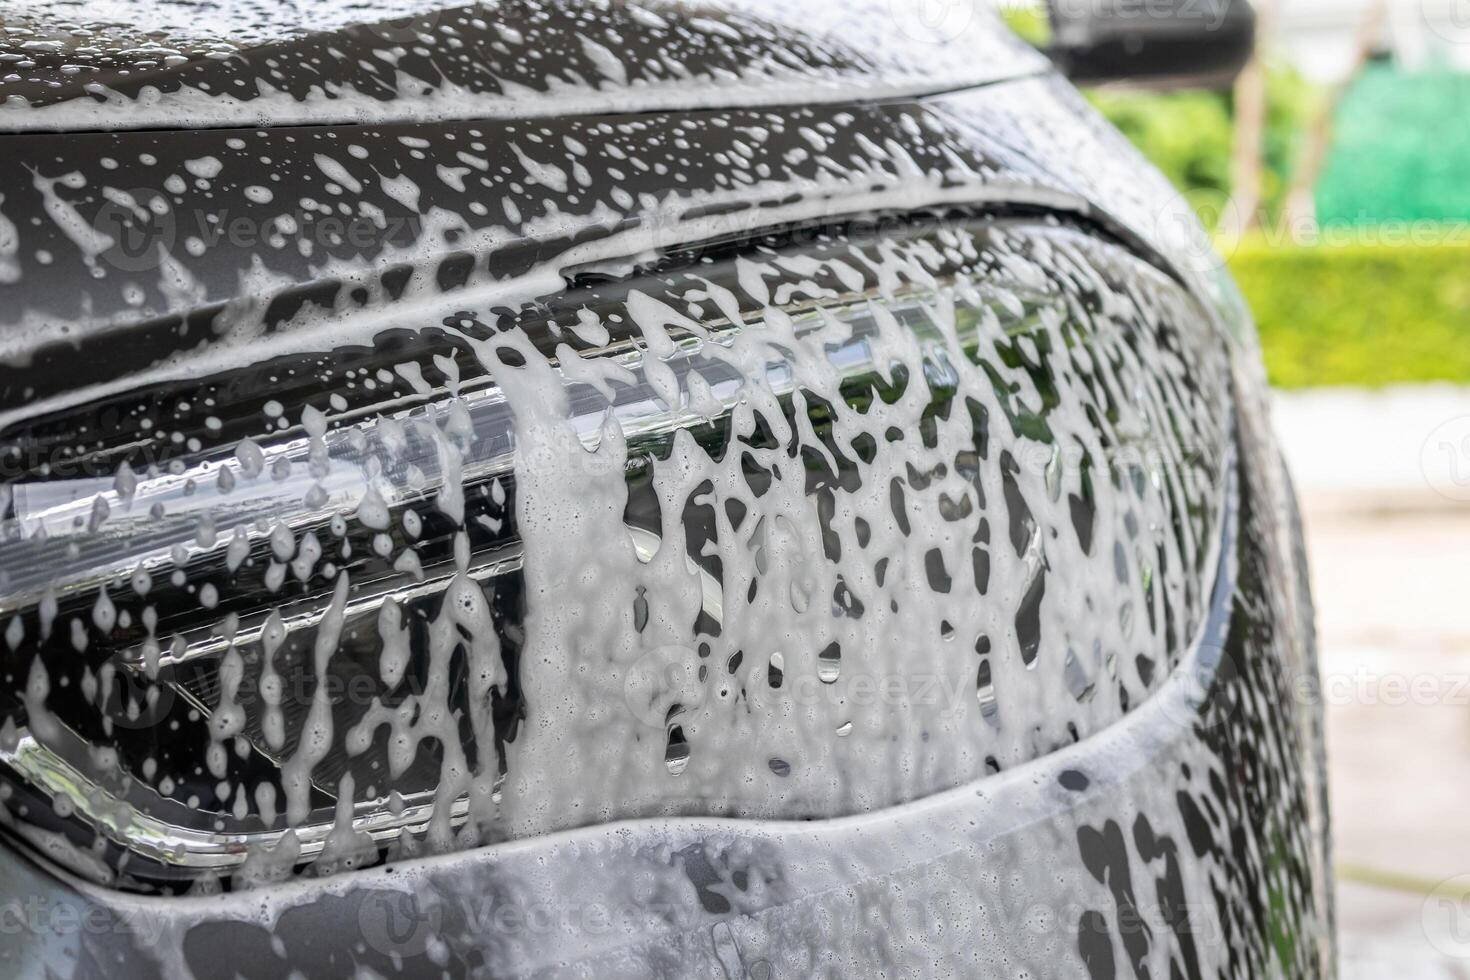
797 527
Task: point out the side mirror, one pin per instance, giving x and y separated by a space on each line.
1152 43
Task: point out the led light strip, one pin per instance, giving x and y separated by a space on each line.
187 847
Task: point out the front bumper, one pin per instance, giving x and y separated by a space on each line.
1187 840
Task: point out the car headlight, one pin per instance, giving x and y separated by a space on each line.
792 527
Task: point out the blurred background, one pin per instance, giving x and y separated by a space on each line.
1334 173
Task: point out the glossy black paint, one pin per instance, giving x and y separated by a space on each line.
1189 839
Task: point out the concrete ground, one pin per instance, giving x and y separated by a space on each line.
1389 537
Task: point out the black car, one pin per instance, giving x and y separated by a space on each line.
628 488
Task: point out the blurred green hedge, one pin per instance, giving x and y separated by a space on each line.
1368 315
1188 134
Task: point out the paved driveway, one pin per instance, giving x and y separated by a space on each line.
1391 569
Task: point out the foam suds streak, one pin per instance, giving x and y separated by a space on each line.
786 475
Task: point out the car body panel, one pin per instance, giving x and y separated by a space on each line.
1183 833
129 270
240 63
1136 850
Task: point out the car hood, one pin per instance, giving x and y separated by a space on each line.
68 65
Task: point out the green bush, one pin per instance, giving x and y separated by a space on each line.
1028 21
1188 134
1367 315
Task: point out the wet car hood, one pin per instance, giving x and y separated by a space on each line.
68 65
182 223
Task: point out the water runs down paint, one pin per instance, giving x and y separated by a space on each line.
796 531
105 65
